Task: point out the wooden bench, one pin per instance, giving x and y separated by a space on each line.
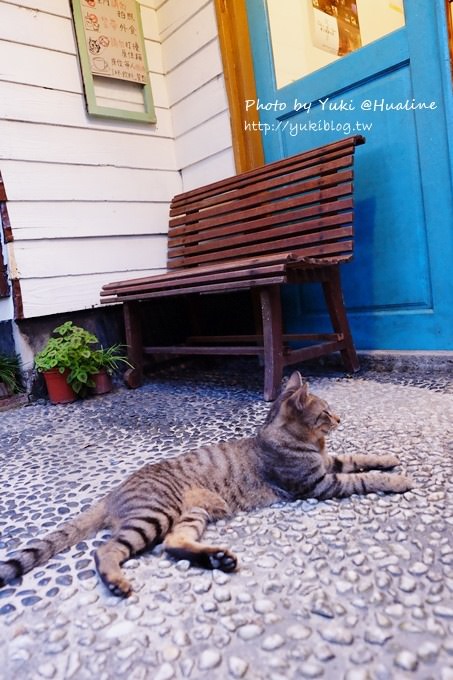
288 222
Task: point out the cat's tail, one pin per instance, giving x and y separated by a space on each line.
41 550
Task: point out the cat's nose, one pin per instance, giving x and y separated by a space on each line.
337 420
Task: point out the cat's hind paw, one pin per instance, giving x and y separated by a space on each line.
401 484
224 560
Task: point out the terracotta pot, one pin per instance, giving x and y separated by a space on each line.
60 392
102 382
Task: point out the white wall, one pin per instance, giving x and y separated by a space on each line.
196 90
88 197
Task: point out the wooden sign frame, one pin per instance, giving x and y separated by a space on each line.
146 116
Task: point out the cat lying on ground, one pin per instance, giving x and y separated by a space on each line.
173 500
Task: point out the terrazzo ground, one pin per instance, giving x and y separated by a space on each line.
353 589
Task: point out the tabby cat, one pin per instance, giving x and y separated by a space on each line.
173 500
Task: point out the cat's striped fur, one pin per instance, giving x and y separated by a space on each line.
172 501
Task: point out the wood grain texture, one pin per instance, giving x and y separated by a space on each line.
214 167
66 293
60 8
31 27
240 85
211 137
90 256
26 103
55 182
192 34
187 114
40 67
77 220
76 146
173 14
193 73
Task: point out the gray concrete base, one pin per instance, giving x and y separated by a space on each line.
386 361
410 360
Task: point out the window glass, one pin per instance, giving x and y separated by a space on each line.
309 34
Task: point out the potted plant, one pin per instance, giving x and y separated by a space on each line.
9 375
66 362
71 361
107 361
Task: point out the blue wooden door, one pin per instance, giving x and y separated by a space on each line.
396 91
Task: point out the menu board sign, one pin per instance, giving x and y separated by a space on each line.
114 39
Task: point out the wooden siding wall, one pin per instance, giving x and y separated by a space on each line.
6 303
88 197
196 90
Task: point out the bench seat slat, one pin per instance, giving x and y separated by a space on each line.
317 195
328 187
296 184
170 285
279 238
220 287
252 230
267 172
293 209
224 271
193 277
347 145
263 260
318 249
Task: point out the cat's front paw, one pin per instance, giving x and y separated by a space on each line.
119 587
388 461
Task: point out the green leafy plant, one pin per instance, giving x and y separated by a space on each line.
77 351
72 351
110 358
10 372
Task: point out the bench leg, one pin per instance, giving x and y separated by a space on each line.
335 304
257 319
271 312
133 377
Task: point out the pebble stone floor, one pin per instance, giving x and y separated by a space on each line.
352 589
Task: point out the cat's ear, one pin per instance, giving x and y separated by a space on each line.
294 382
298 391
299 398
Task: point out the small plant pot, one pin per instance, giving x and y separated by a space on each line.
102 382
59 391
4 392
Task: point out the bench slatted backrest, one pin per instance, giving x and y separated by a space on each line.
301 205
